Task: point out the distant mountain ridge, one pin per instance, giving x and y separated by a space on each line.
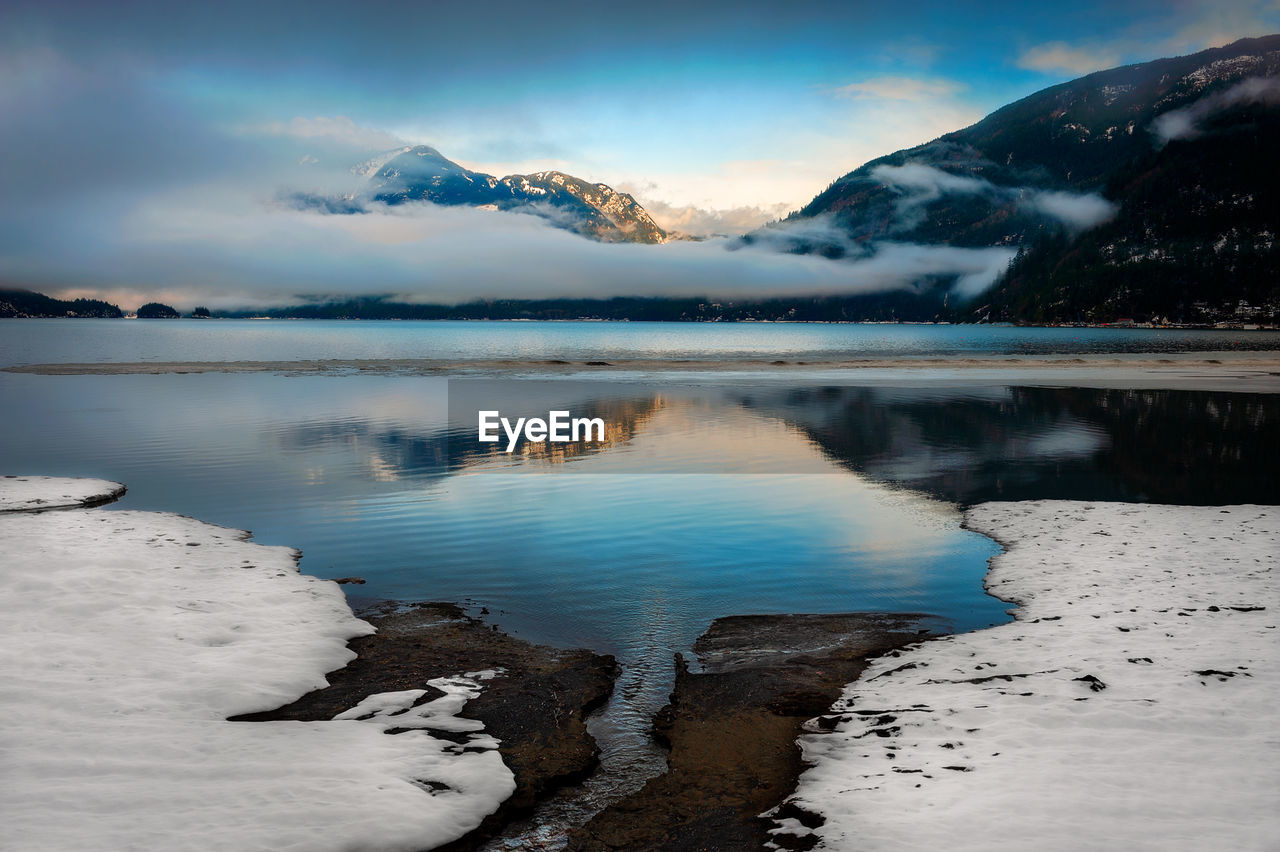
15 303
1146 191
421 173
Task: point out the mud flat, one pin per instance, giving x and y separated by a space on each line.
735 713
1212 362
536 707
1256 372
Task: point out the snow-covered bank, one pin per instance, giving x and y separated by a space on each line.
35 493
1132 705
127 639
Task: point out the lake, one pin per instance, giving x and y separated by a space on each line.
80 340
719 495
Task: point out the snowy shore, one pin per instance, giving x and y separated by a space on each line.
128 638
37 493
1132 705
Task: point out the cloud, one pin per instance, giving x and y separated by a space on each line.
1184 123
220 253
919 185
900 88
695 221
1184 27
1078 212
888 265
1214 24
1058 56
330 128
128 191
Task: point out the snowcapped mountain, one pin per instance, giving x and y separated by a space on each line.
593 210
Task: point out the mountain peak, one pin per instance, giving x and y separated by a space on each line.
594 210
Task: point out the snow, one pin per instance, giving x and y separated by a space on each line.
1131 705
1222 69
127 640
28 493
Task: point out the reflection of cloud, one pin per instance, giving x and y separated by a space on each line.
1080 442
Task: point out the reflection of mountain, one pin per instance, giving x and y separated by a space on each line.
623 418
1039 443
968 446
388 451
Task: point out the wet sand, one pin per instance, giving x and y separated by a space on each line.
1257 372
731 727
1211 361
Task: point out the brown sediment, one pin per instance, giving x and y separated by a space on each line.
536 708
732 727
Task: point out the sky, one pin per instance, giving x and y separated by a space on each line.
146 142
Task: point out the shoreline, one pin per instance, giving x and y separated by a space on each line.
1206 361
731 727
730 723
536 707
1143 644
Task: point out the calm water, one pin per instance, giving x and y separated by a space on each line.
46 341
715 499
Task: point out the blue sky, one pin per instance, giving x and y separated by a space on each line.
735 112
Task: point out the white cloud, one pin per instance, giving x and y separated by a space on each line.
1185 123
920 185
333 128
901 88
890 265
1077 60
1214 24
1078 212
697 221
1184 27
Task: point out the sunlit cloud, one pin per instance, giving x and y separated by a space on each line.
900 88
1076 60
335 128
1186 28
694 221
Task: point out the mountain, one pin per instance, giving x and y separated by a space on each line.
24 303
593 210
1145 192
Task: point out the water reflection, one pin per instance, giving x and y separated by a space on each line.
802 499
1023 443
